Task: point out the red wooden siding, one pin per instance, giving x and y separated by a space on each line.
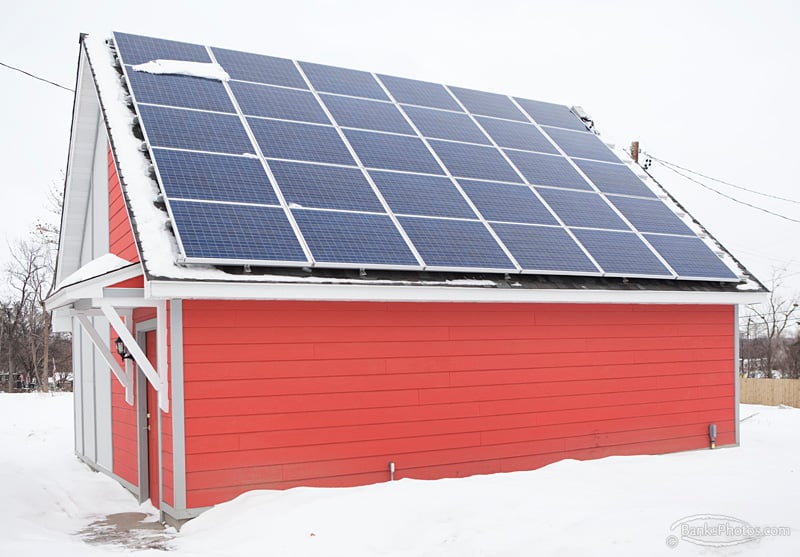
121 240
124 428
123 416
135 282
279 394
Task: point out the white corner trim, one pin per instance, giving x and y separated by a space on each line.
178 413
421 293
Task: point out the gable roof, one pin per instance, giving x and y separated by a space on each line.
165 261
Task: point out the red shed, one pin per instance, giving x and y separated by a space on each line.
328 277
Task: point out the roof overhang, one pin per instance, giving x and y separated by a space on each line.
435 292
94 287
98 295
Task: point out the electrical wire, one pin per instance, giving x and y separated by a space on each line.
36 77
725 195
771 196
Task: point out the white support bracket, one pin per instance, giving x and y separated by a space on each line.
125 377
157 378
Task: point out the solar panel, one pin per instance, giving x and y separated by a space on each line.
488 104
650 215
614 178
410 91
278 102
550 114
585 209
301 142
236 232
329 79
140 50
584 145
621 253
474 161
259 68
181 91
204 176
368 115
507 202
194 130
324 186
446 125
544 247
392 152
353 238
366 170
419 194
455 243
690 257
547 170
516 135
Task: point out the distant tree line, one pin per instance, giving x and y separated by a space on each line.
32 357
769 336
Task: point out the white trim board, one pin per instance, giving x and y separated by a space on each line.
420 293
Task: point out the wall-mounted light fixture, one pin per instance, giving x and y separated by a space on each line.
121 350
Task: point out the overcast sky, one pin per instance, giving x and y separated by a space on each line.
711 86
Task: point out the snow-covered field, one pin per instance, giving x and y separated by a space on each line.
613 506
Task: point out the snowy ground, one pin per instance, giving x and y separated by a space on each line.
613 506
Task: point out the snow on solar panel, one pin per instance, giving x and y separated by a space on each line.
287 160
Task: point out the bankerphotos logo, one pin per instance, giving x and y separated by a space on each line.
719 530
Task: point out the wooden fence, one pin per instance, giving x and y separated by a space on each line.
770 391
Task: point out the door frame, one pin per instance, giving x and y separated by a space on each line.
141 417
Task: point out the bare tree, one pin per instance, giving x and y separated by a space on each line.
25 325
30 273
793 367
771 320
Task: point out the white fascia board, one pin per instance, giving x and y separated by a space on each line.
413 293
85 118
91 288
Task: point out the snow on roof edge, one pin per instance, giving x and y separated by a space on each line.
102 265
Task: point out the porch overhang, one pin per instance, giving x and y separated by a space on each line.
97 296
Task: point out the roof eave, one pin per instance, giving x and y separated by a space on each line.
301 291
91 287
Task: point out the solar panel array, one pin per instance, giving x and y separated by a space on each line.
300 164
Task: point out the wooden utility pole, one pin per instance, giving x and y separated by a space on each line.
635 151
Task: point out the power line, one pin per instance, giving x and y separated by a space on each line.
667 163
36 77
725 195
